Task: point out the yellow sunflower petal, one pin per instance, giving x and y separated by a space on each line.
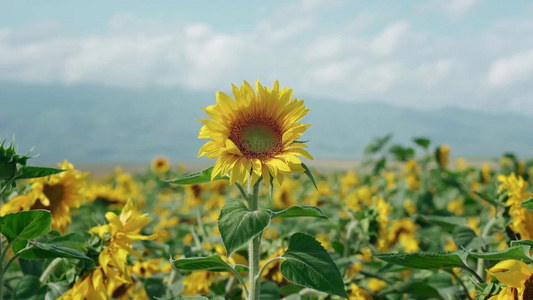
511 272
254 133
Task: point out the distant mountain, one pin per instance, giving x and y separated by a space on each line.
94 124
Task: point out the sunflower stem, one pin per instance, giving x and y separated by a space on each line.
243 192
253 250
51 267
3 268
480 262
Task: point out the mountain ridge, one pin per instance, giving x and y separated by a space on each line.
94 124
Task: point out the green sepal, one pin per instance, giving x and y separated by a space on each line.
528 204
28 172
309 174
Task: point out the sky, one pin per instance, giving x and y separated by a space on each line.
470 54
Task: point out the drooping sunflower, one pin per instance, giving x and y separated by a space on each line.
255 135
57 193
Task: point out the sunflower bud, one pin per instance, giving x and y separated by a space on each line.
9 160
7 170
442 154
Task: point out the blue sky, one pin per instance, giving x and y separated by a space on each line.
425 54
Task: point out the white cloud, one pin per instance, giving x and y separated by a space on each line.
197 30
401 63
276 32
389 39
458 8
324 48
452 9
510 70
432 73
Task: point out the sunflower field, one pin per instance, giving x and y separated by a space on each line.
408 223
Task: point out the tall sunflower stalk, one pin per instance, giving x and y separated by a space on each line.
254 137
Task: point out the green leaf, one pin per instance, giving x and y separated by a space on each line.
211 263
425 260
522 242
402 153
528 204
446 222
462 236
36 250
238 225
422 142
308 264
299 211
420 289
30 288
155 289
380 165
377 144
27 172
241 268
71 240
308 173
22 226
516 252
56 289
31 267
488 198
269 291
198 177
290 289
190 298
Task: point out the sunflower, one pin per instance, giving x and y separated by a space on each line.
57 193
160 165
255 135
518 278
442 155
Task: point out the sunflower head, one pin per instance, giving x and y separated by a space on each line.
160 165
254 134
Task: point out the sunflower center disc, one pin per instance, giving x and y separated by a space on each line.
257 139
55 194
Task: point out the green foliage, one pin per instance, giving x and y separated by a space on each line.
19 227
198 177
463 236
377 144
238 225
422 142
520 252
426 260
27 172
402 153
30 288
36 250
212 263
528 204
299 211
308 264
309 174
